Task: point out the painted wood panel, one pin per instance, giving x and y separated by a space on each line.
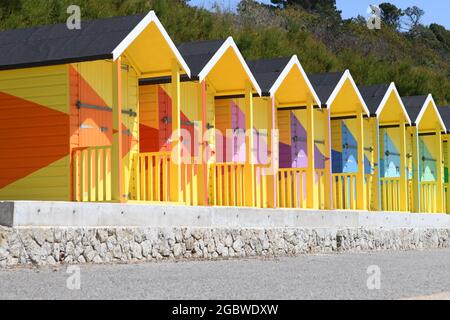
34 134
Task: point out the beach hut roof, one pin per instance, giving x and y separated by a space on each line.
271 73
203 56
376 96
329 84
417 105
97 39
445 115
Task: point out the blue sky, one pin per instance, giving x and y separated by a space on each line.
435 10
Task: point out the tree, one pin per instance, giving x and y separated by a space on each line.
414 14
391 15
310 5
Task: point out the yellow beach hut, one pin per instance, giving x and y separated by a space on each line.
353 140
303 154
69 106
444 111
218 97
427 153
395 153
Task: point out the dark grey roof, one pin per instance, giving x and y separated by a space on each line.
198 53
413 105
56 44
373 95
444 111
324 83
267 71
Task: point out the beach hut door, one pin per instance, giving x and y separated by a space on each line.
349 150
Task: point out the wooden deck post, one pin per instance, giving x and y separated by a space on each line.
310 171
328 163
439 185
360 183
271 178
403 175
176 191
202 171
117 185
416 170
447 194
376 157
249 174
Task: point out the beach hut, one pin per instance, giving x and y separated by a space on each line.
353 140
444 111
395 154
69 106
302 162
216 99
427 153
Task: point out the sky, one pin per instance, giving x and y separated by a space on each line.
435 10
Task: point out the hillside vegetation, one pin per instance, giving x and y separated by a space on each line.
417 60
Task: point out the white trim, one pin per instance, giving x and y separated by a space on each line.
391 88
341 82
145 22
423 109
229 43
293 62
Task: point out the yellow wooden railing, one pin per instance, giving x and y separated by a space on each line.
428 196
261 181
228 184
390 193
445 204
411 193
320 188
151 176
91 174
152 179
369 190
291 183
344 190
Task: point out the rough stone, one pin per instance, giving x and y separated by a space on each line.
53 246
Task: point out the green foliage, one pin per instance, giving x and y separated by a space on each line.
317 35
390 14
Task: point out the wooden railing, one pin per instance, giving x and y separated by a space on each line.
320 187
151 176
428 196
410 194
228 184
261 185
390 194
445 204
369 190
344 190
291 183
91 174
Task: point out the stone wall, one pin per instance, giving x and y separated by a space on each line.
50 246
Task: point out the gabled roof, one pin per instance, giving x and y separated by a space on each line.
377 95
325 83
373 95
445 115
267 71
328 85
197 54
202 56
416 107
56 44
270 74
